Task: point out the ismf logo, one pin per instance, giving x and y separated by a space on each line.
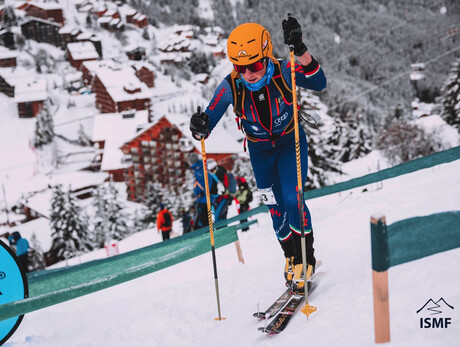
437 313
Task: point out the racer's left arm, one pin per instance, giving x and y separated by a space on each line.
309 73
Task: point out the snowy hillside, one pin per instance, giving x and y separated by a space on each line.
177 306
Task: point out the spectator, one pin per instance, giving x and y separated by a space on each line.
187 221
228 185
22 249
201 208
244 197
164 222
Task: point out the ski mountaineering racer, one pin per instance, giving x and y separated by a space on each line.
259 88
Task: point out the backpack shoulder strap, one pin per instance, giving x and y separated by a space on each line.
280 83
238 92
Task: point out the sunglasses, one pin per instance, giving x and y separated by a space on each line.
254 67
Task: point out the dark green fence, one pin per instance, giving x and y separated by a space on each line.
48 288
413 238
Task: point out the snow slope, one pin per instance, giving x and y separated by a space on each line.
177 306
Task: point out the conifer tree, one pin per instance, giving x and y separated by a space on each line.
68 226
351 136
450 96
44 128
152 200
36 255
83 138
116 216
321 160
100 232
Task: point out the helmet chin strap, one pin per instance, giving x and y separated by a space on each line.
265 80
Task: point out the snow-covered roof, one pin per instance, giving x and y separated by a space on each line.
36 19
31 90
14 75
6 53
117 81
114 129
84 36
82 50
95 65
139 64
103 20
46 5
75 180
66 29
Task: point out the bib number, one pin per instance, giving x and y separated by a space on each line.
267 195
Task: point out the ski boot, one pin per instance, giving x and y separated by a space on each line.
289 271
298 282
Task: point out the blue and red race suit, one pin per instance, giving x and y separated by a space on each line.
268 125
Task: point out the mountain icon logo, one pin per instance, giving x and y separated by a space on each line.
436 307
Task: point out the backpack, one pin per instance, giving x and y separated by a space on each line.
231 183
249 196
167 219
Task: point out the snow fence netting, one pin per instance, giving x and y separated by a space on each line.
50 287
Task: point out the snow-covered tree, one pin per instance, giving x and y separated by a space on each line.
321 162
152 200
44 128
351 137
83 138
9 18
44 62
110 220
117 219
36 255
450 96
69 229
145 34
403 141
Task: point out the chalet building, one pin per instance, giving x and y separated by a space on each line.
110 131
7 39
41 30
68 34
89 69
45 10
30 96
144 71
7 57
79 52
138 19
119 90
135 53
10 77
156 157
111 24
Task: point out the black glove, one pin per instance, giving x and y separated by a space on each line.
199 125
293 35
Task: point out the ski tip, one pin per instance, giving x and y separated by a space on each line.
267 331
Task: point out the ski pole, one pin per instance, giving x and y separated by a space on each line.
307 309
211 229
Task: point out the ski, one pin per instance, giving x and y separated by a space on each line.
274 308
281 320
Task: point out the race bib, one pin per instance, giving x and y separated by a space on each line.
267 196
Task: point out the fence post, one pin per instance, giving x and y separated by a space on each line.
239 251
380 265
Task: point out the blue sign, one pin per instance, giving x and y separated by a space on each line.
13 287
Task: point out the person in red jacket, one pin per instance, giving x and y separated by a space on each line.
164 222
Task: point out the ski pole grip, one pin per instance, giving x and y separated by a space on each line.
198 109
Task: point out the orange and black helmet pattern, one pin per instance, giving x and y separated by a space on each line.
249 43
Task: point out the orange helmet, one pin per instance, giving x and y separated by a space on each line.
248 43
